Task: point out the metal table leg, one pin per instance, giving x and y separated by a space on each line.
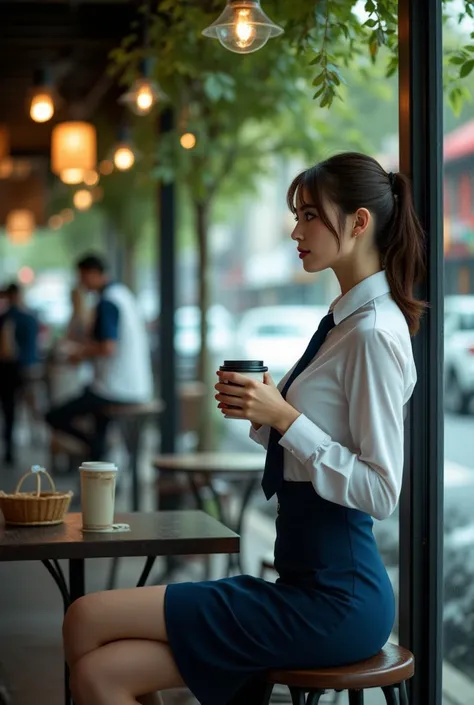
234 560
76 590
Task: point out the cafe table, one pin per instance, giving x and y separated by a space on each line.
246 469
188 532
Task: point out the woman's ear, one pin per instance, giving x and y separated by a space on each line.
360 222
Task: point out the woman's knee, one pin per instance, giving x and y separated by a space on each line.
78 627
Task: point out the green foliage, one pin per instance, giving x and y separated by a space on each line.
328 35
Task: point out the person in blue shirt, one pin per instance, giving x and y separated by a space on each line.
18 353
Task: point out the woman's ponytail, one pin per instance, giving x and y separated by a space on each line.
403 252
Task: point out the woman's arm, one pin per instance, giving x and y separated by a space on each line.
369 476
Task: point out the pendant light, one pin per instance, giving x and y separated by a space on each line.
43 99
123 153
20 225
73 150
243 27
144 93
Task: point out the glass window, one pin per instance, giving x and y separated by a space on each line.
458 670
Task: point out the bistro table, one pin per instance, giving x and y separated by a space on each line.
246 468
186 532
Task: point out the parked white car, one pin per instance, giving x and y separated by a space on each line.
278 335
459 353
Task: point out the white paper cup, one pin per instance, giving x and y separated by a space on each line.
253 369
98 495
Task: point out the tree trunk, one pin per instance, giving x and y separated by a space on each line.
204 300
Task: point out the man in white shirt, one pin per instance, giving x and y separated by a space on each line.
119 352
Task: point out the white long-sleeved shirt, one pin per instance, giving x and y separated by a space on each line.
349 439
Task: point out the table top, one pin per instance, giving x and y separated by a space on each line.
211 462
166 533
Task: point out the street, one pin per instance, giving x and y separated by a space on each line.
459 439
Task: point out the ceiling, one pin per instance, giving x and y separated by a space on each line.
73 37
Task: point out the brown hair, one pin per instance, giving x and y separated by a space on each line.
352 181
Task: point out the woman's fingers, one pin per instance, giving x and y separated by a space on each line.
230 390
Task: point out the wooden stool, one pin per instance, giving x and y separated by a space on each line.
388 670
131 419
266 564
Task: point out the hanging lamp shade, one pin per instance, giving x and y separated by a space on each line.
20 225
243 27
4 143
73 149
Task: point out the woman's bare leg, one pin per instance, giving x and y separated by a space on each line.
103 617
123 672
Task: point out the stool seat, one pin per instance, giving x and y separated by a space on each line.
392 665
154 406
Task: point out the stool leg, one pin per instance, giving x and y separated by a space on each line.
356 697
314 696
390 694
297 696
403 693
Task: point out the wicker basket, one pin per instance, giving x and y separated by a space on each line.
35 508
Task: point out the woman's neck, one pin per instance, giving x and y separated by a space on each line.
351 275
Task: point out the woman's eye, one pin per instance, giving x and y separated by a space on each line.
310 216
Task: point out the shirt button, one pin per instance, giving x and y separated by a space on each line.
278 508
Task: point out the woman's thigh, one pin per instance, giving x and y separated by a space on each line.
134 667
112 615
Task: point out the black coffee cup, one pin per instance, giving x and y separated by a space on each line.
249 368
254 369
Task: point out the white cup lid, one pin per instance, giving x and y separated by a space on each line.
98 466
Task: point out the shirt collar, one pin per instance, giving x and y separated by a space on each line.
360 295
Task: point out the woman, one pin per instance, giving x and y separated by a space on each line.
335 458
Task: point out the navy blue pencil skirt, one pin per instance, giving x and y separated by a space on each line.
223 633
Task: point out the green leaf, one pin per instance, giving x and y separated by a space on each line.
466 68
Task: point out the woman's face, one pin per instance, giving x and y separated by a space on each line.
318 249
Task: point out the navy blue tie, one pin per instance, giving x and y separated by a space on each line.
273 473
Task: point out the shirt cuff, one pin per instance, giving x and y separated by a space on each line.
260 436
304 439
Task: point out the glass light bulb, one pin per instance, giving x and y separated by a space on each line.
91 178
243 27
244 31
72 176
124 158
188 140
82 199
41 108
144 99
142 96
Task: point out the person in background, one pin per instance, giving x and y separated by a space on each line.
118 349
68 380
18 353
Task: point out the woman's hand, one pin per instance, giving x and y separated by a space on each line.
261 403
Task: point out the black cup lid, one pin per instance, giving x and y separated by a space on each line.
243 366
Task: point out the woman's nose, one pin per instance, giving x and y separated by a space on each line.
296 235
